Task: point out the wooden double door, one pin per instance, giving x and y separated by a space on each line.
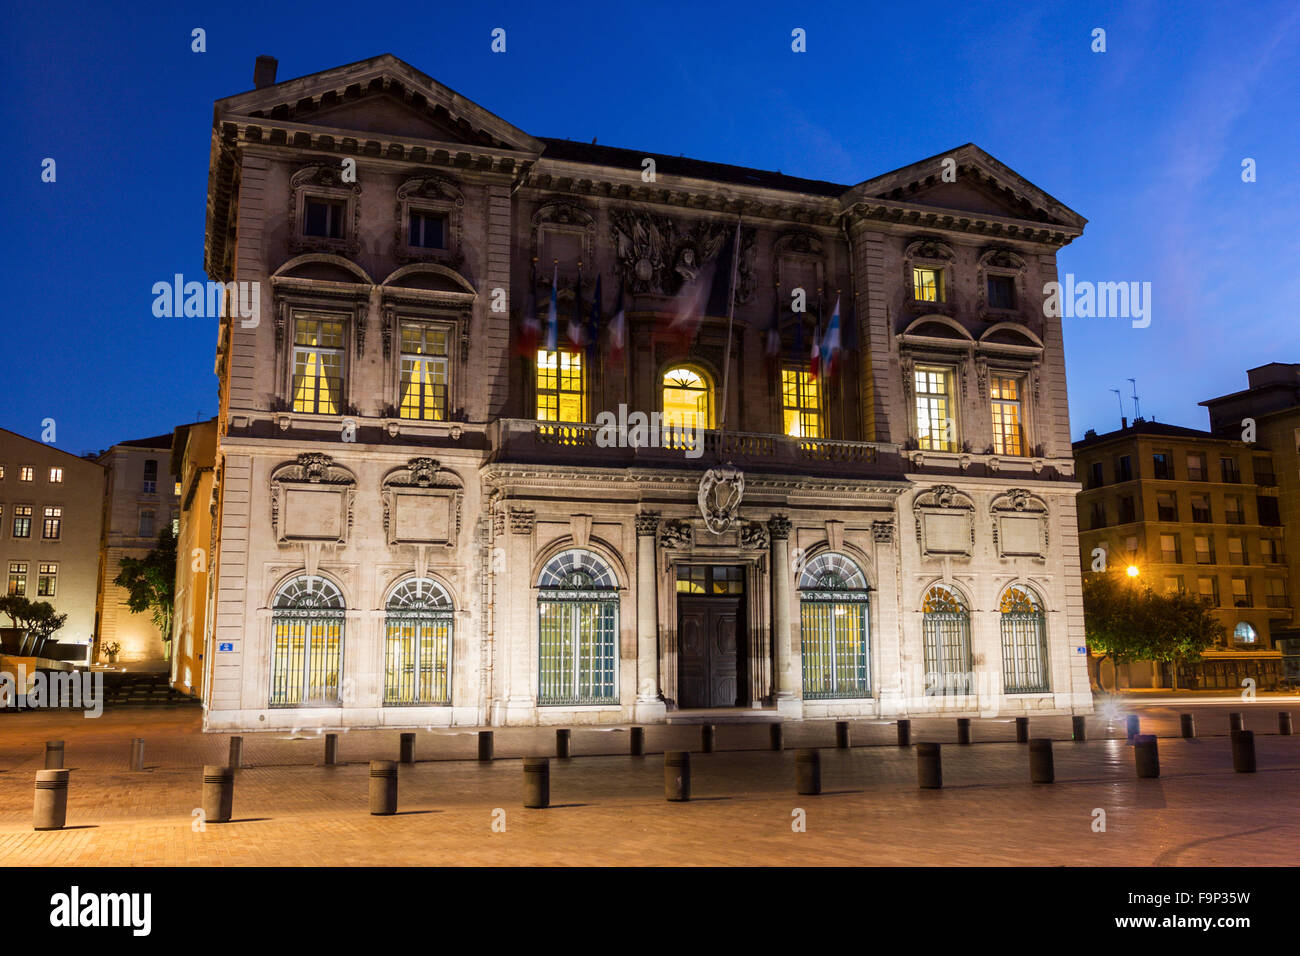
711 660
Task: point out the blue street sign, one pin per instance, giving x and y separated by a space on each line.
225 646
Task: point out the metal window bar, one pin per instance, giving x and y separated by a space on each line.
947 654
306 658
835 649
1024 653
577 651
417 657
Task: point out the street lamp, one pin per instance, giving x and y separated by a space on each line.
1132 571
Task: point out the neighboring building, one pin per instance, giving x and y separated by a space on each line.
140 501
50 529
1272 401
420 520
194 449
1193 512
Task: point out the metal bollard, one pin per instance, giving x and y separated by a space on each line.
54 755
904 733
929 766
383 788
563 743
708 735
963 730
218 794
842 734
537 782
807 771
486 745
406 748
1284 723
1187 723
1235 723
677 775
777 738
1041 768
1146 755
1132 726
331 749
1022 730
636 744
1243 751
1079 727
50 811
236 753
137 753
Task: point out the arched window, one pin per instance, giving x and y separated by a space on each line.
577 610
1024 643
307 647
833 617
1245 633
947 642
688 399
419 622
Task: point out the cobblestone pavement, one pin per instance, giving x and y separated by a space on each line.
609 808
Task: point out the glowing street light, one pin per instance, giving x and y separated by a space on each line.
1132 571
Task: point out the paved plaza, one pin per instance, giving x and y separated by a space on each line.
609 808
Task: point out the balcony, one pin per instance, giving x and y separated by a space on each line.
582 443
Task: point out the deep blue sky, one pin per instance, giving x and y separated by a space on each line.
1145 141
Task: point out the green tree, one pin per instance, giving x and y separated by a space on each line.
150 582
1125 620
39 618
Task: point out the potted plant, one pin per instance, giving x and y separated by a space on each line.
110 650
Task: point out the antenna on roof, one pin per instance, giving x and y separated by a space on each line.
1137 409
1123 422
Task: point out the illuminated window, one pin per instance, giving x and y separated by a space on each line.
801 403
26 473
577 610
1204 549
176 490
1174 583
1245 633
318 365
1208 589
47 580
176 524
1024 643
56 475
688 399
946 630
53 524
1237 551
307 646
419 620
22 521
834 632
935 428
18 578
927 285
2 472
1007 432
561 389
323 218
692 579
1241 593
424 374
150 483
705 579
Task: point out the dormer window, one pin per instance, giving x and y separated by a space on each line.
430 214
999 272
927 265
323 218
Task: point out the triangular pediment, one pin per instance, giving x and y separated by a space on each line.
968 181
382 97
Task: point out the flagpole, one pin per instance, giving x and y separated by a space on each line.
839 379
731 316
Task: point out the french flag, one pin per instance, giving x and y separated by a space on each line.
553 315
830 350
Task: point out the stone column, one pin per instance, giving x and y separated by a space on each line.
517 630
649 698
789 698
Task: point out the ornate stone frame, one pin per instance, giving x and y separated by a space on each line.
423 478
439 195
1017 502
312 470
562 217
946 501
932 253
1000 262
324 182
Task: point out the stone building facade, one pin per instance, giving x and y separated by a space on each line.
193 458
421 522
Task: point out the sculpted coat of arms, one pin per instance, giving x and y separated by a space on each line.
721 490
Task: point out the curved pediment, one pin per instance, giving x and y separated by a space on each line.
937 327
1008 333
323 267
429 277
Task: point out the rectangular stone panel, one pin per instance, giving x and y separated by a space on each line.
1020 534
313 514
423 518
947 533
